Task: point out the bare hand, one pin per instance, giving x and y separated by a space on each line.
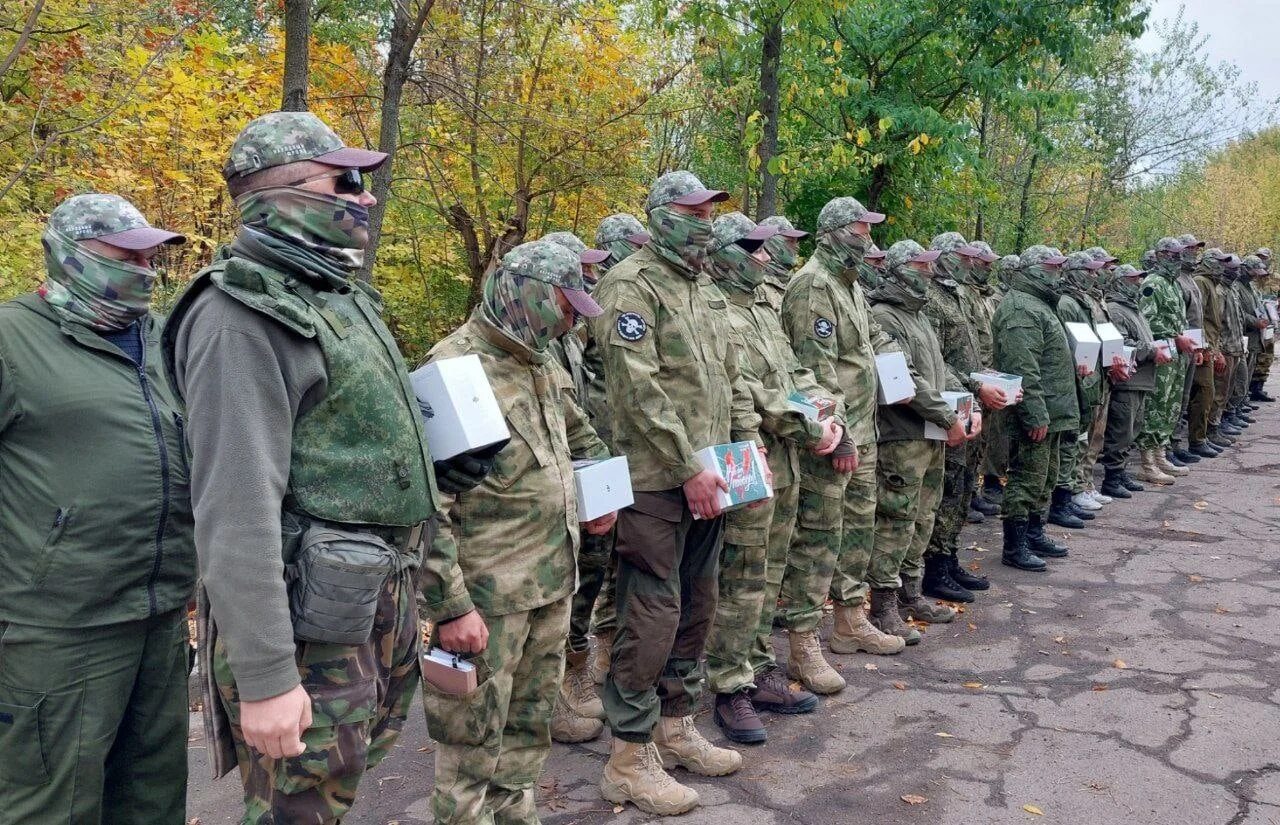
832 432
466 634
1038 434
275 726
1019 398
602 525
956 434
1083 370
992 397
975 425
1163 356
701 494
1260 324
1198 358
1184 343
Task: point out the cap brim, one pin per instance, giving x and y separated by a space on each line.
702 196
639 238
989 257
970 251
748 243
144 237
794 234
926 257
1056 260
582 302
1197 245
594 256
762 233
1094 266
872 217
874 256
349 157
1134 274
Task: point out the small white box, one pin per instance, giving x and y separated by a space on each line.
1273 310
1112 342
1244 342
1196 336
459 410
895 382
1268 333
1085 345
961 404
812 407
741 465
603 486
1010 383
1166 344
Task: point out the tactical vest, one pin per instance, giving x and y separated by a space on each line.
359 456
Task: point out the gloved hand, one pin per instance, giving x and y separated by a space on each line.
466 470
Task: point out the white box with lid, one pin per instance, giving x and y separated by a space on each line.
894 382
460 413
1086 346
603 486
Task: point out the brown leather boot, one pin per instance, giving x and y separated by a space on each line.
808 667
774 693
884 616
911 605
634 774
682 745
737 718
853 633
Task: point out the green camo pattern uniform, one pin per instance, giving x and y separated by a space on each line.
1163 305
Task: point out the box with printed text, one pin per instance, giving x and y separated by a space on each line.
743 467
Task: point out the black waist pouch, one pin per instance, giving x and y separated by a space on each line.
335 579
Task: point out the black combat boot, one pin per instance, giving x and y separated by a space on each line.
1130 483
1244 416
1257 393
987 508
962 577
1113 484
974 516
1218 438
1015 553
992 489
1203 450
1186 456
1061 512
937 582
1171 457
1039 543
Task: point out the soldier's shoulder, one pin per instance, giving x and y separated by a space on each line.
260 290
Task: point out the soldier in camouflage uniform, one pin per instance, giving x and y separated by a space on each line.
829 324
741 670
1091 447
97 552
1262 269
1176 457
672 377
994 420
981 295
783 250
1251 310
1030 341
1222 334
306 448
507 550
870 268
909 466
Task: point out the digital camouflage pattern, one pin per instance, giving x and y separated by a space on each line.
360 697
1032 474
842 211
614 234
521 301
548 261
783 254
326 231
675 185
96 214
277 138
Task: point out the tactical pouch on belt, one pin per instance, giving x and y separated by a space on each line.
335 579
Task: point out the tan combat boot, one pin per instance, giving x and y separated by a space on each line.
599 664
634 774
853 633
808 667
911 604
578 687
1167 466
568 727
1151 472
682 745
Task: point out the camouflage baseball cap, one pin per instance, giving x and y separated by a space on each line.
1102 255
1129 271
954 242
553 264
1252 262
1189 240
736 227
874 253
621 227
1083 260
683 188
110 219
1263 253
1009 262
985 251
1044 255
905 251
1148 259
785 228
278 138
1168 244
843 211
575 245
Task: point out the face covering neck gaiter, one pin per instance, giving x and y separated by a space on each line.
733 268
679 239
526 309
304 231
88 288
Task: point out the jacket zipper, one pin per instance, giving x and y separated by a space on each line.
163 521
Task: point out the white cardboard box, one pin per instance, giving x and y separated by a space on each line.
1268 333
961 404
741 465
603 486
1085 345
1166 344
814 408
1196 336
1112 342
1273 309
1010 383
895 382
459 410
1131 355
1244 342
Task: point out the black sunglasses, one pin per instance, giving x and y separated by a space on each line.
345 181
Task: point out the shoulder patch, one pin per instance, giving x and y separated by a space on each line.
823 327
632 327
1148 290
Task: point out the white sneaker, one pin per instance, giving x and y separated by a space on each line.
1099 497
1085 502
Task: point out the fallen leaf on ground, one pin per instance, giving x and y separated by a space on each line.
1119 664
617 809
972 626
1220 610
914 799
974 685
871 666
1062 640
900 685
1099 687
942 735
1044 653
1032 809
1193 578
1201 505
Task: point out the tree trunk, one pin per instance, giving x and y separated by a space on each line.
770 57
984 125
880 178
297 43
406 28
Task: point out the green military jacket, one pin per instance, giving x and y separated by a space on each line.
95 506
982 298
670 368
1232 332
1250 310
952 311
1030 341
1076 306
1192 298
511 544
900 315
772 291
1133 326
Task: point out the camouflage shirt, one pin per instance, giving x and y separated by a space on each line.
952 311
1213 313
511 543
1163 303
983 301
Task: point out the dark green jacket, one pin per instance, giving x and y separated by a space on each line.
1030 341
901 316
1133 326
95 511
1074 307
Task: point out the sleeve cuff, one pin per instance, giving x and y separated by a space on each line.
280 678
452 607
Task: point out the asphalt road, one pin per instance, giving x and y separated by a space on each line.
1137 682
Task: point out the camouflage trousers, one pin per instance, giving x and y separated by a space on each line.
1181 428
493 742
1262 368
1124 417
1240 380
360 696
1091 446
93 723
909 487
1200 410
605 618
953 508
995 430
751 567
594 561
1033 470
1164 405
834 539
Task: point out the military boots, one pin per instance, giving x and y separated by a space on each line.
1163 462
682 745
1041 544
1015 552
1151 472
912 606
938 582
966 579
599 665
736 717
634 774
1060 512
1113 484
853 632
885 618
808 667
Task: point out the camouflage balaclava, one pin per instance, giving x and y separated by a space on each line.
1036 275
1005 269
618 234
521 303
731 266
84 286
870 267
838 243
951 264
1214 264
1080 272
679 238
782 249
1190 255
1167 257
982 266
901 283
1124 285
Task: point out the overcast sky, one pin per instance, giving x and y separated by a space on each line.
1245 32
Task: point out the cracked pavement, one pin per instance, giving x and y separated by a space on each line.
1137 682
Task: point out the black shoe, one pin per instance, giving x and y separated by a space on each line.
1061 512
1039 543
1079 512
1113 485
974 516
1246 418
737 717
1232 424
1225 435
1172 458
937 582
1185 456
1257 393
1015 552
1203 450
983 506
962 577
992 489
1130 483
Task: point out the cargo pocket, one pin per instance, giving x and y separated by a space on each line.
337 743
647 534
61 520
818 512
461 720
24 756
895 500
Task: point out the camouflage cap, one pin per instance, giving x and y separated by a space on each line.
1009 262
110 219
1217 254
1083 260
683 188
1263 253
843 211
874 253
954 242
1190 240
1041 254
278 138
621 227
554 264
575 245
785 228
905 251
985 251
1102 255
1168 244
1129 271
735 227
1253 262
1148 259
